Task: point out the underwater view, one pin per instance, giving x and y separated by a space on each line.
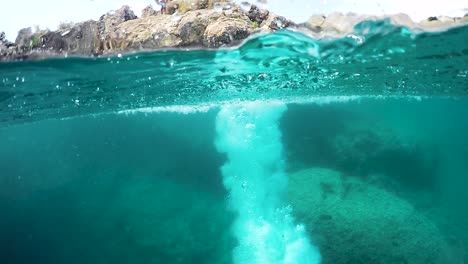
284 150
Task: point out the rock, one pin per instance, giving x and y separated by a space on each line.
148 11
402 20
173 6
153 32
191 235
203 4
315 23
122 14
52 41
108 24
340 23
274 22
3 42
354 222
258 15
182 6
197 28
150 219
193 24
24 37
464 19
82 38
439 22
79 38
336 24
197 23
226 31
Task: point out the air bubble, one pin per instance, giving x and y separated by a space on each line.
244 185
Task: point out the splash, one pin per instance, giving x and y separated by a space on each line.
254 175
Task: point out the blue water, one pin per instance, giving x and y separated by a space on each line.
284 150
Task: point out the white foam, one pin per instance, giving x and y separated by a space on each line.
254 175
181 109
205 107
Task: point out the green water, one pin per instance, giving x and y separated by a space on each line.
284 150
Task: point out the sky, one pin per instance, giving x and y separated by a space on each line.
19 14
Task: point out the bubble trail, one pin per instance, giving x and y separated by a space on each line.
256 180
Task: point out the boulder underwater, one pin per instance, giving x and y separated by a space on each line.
354 222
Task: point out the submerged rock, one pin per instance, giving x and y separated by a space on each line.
173 220
354 222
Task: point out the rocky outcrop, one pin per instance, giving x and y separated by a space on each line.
4 45
109 23
338 24
188 23
222 26
4 42
435 23
226 31
258 15
148 11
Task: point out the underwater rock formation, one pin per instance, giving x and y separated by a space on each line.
144 219
171 219
337 138
354 222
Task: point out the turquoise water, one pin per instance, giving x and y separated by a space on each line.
284 150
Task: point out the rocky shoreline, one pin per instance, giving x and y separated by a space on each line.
187 24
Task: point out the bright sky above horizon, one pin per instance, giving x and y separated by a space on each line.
49 13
